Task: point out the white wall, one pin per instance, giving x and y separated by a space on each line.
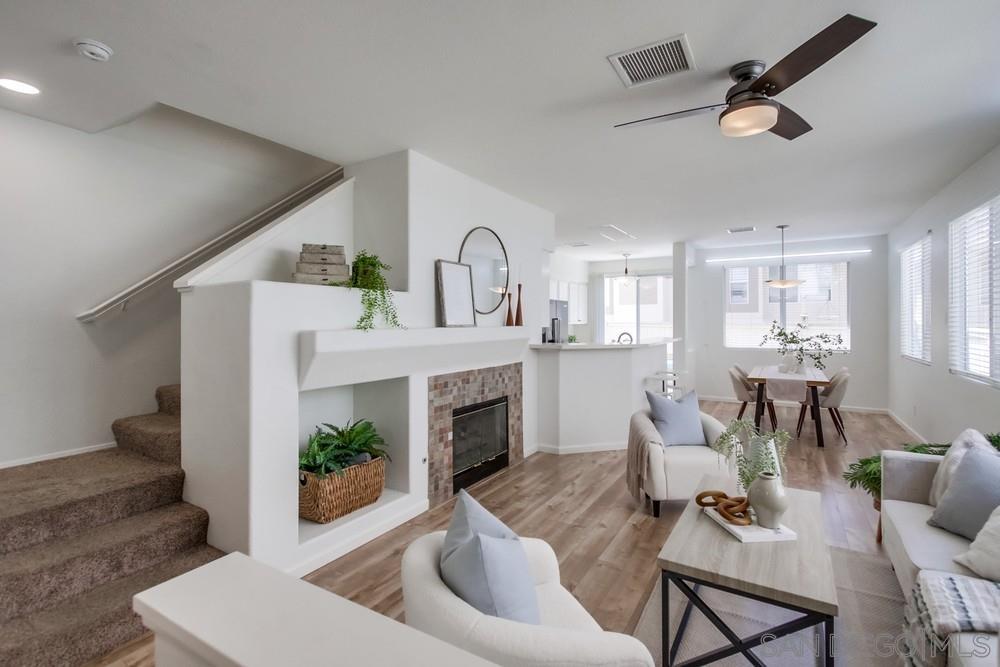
85 215
933 402
381 214
867 281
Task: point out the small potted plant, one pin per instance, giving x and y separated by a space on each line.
342 469
376 297
796 347
752 452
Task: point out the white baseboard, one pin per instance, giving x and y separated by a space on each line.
582 449
795 404
906 427
56 455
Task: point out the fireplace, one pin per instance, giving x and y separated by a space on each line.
450 395
479 441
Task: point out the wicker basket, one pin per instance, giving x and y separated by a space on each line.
334 496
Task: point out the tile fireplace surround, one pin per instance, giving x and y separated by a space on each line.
455 390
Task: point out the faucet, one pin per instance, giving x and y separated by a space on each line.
625 333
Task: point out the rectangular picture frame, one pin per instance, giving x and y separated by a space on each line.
456 307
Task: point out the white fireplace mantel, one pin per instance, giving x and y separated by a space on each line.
341 357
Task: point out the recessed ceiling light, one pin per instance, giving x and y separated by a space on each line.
19 86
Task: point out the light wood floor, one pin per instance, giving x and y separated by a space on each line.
606 544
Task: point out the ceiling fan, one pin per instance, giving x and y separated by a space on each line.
749 109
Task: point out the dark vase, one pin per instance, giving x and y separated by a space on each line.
519 316
510 312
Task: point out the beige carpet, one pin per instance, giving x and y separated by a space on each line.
871 616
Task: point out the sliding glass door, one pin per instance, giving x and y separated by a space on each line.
638 308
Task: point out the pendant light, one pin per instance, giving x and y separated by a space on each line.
626 255
781 282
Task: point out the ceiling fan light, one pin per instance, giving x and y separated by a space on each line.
745 119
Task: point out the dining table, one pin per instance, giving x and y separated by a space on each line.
814 378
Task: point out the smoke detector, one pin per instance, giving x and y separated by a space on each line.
94 50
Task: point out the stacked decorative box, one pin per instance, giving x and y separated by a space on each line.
321 264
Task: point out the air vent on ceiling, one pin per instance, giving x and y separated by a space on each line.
578 244
740 230
653 62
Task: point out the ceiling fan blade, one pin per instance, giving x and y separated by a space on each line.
812 54
673 116
790 125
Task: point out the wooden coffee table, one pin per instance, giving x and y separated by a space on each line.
794 575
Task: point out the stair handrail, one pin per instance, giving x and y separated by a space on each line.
215 246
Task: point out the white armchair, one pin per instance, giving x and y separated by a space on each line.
567 636
673 473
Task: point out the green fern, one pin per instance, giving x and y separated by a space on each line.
334 448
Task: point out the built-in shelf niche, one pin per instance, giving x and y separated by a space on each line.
386 403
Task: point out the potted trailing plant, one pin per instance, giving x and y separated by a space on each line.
342 469
751 452
376 297
793 343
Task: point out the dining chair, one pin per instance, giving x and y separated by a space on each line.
746 393
831 399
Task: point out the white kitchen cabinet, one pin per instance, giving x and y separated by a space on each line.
578 303
553 289
563 290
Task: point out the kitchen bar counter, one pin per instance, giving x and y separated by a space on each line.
564 347
585 400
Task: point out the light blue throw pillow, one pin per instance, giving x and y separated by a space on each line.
972 494
484 563
678 422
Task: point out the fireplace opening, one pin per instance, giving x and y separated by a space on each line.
479 441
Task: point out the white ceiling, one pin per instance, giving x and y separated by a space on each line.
519 94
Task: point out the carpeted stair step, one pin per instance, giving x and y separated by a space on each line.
92 624
41 575
66 496
156 435
168 399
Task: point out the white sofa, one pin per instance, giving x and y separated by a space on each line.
567 634
913 545
674 472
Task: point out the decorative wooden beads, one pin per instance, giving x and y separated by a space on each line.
734 510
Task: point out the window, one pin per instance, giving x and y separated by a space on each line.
915 300
641 306
820 302
974 294
739 286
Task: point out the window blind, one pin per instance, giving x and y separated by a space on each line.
974 293
915 300
820 302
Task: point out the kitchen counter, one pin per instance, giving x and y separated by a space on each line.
562 347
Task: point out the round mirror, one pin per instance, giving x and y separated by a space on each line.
483 250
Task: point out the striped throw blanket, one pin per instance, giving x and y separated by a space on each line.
943 604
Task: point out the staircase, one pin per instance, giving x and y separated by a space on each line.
80 535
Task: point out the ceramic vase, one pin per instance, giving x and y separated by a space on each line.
790 364
510 312
768 499
519 315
